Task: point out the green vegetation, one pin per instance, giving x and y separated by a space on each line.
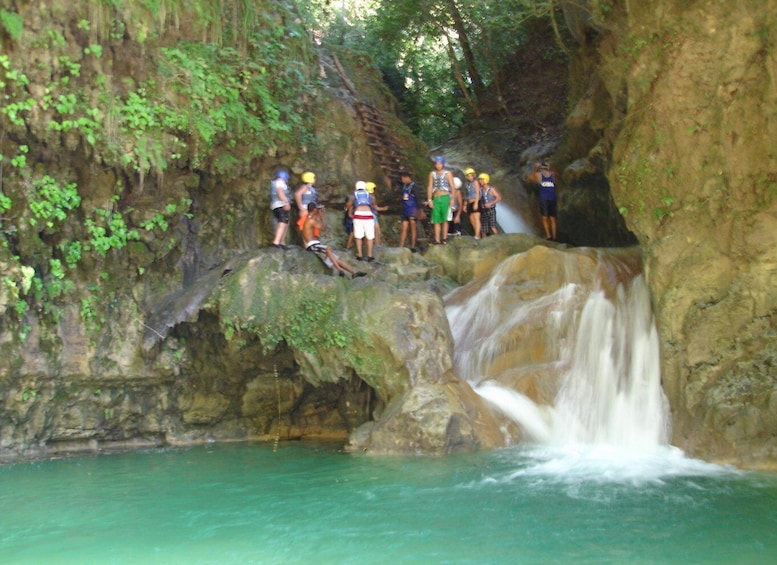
12 23
239 89
310 323
441 58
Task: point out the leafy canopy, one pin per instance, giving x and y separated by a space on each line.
440 57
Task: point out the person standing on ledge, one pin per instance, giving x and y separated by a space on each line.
360 205
280 204
410 206
472 201
543 175
305 195
438 198
489 198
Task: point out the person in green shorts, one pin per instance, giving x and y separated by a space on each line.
438 194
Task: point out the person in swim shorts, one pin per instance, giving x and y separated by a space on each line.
438 194
315 221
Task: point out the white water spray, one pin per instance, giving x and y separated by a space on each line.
602 351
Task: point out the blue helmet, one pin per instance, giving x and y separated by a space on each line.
283 174
439 159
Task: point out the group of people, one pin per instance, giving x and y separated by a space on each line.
311 221
447 200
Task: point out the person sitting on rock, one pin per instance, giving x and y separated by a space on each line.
316 223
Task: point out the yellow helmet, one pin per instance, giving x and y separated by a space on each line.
308 177
469 171
371 187
484 177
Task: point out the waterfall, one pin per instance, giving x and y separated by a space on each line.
510 220
571 361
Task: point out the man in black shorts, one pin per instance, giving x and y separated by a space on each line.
316 223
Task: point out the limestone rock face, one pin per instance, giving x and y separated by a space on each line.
693 100
430 419
393 338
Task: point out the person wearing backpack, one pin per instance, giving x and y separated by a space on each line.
315 223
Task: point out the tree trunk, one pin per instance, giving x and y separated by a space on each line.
466 48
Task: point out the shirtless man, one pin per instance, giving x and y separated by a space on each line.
315 223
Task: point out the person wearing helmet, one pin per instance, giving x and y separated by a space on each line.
489 198
543 175
304 195
315 223
280 204
371 186
472 201
438 198
360 205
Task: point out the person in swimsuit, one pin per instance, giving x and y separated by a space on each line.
315 222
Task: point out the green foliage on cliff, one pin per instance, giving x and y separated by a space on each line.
306 314
204 86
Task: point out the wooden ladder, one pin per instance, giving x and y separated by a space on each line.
380 138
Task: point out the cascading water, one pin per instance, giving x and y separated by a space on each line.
570 352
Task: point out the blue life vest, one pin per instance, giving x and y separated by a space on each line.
361 198
487 196
311 195
471 190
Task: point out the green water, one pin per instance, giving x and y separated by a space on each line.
312 504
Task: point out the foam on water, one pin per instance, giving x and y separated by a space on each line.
610 419
586 463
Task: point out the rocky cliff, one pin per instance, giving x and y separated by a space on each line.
682 98
137 146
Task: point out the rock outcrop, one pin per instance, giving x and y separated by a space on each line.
684 144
